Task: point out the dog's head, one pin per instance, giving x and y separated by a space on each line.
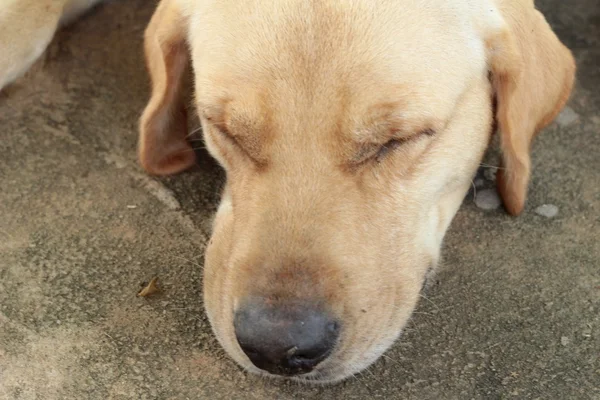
349 132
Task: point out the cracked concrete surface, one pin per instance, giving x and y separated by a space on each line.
514 312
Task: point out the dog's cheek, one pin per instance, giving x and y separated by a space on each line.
216 271
375 336
224 211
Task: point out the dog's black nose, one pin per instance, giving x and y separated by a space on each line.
285 339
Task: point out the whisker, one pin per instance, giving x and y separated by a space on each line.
389 358
368 369
190 261
474 189
363 382
429 300
491 166
198 129
424 313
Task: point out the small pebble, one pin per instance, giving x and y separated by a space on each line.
564 340
490 173
587 333
567 117
487 199
547 210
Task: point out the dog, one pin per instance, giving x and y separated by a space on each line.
349 131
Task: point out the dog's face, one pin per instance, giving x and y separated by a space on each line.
345 165
349 133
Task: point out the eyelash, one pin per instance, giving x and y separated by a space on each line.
393 144
222 131
387 148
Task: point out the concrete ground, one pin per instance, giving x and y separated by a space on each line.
513 313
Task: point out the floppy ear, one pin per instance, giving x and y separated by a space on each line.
163 147
532 75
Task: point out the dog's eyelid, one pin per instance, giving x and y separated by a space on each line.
427 132
415 134
400 137
408 134
219 124
396 142
237 141
224 132
215 117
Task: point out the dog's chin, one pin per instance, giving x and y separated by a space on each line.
316 377
326 376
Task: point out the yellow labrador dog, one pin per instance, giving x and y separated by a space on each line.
350 131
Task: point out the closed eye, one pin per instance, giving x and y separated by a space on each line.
379 153
237 143
388 147
393 144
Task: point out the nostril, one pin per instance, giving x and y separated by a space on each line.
301 362
294 354
333 328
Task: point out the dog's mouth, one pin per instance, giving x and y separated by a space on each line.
323 373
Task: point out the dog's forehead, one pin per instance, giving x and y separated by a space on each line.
421 54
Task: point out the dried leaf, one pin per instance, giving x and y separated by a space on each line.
150 288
